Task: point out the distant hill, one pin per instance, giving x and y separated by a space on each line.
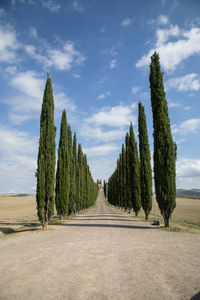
193 193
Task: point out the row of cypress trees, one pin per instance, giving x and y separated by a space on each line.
74 189
130 186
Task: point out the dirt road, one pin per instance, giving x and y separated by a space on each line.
102 254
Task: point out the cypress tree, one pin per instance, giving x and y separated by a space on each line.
76 188
70 167
164 150
134 172
145 163
124 187
46 158
80 171
86 183
120 197
62 174
128 179
104 188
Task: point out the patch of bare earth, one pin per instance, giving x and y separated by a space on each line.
101 254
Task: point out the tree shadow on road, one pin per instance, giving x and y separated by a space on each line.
23 227
106 215
25 224
103 219
110 226
7 230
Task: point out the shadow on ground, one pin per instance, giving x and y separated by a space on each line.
11 230
101 219
196 296
108 226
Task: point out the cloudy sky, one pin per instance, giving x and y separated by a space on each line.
97 54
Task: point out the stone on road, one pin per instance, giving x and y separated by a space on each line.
101 254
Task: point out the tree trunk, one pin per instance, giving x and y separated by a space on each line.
166 220
44 225
146 215
136 213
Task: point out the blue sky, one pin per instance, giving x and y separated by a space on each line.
97 54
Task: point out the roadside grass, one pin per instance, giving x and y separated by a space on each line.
16 228
175 225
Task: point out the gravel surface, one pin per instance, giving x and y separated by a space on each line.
101 254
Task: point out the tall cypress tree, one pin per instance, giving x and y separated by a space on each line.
124 187
62 176
70 167
134 172
164 153
104 188
145 163
76 170
81 175
128 178
46 158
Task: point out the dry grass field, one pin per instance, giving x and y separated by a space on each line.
18 213
187 210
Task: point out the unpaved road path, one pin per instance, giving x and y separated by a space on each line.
102 254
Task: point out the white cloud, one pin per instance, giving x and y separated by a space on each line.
18 141
28 83
78 7
102 150
18 118
171 52
126 22
135 89
187 127
63 102
27 99
173 104
188 167
103 96
11 70
185 83
8 44
91 132
13 2
102 80
102 29
163 19
26 104
33 32
31 50
75 75
51 5
180 141
110 51
113 63
187 107
188 173
102 167
18 152
116 116
62 59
